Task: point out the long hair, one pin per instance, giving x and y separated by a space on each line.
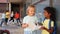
52 11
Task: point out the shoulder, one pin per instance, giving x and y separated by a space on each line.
35 17
52 21
25 17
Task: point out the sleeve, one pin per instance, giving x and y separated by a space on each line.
24 20
52 24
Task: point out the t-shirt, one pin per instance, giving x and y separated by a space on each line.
17 15
7 14
30 20
3 15
12 15
46 25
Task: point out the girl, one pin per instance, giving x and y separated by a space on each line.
29 20
49 13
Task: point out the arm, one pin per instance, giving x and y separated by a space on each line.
49 30
24 25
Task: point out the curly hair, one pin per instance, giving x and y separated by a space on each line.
52 11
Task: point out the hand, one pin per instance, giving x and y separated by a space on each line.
42 27
24 25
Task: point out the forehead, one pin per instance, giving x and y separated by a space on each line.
45 12
31 8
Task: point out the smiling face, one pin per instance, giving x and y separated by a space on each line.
46 14
31 11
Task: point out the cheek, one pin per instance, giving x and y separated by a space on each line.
33 12
29 12
45 14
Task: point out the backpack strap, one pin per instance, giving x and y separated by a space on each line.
49 24
44 20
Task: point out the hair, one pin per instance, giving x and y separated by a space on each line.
30 6
52 11
7 10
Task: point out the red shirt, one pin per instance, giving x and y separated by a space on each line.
17 15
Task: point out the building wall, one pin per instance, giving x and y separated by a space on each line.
40 7
18 1
3 5
56 4
3 1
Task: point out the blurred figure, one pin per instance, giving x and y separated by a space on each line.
12 16
49 23
7 16
3 19
17 17
30 21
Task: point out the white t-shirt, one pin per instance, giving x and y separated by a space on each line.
3 15
11 14
30 20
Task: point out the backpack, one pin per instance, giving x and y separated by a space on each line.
54 28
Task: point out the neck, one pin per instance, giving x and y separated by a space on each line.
48 17
30 15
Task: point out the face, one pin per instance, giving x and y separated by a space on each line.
31 11
46 14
